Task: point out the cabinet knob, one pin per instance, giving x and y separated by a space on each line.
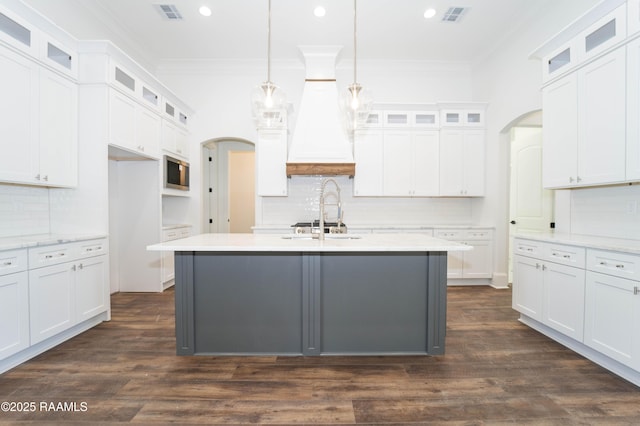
570 179
513 222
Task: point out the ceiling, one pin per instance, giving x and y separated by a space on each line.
237 29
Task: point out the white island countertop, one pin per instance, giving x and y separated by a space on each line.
296 243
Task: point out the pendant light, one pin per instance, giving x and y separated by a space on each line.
268 101
357 102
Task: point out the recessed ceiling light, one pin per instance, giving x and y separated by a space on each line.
204 11
429 13
319 11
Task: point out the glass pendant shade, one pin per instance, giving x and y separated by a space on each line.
268 104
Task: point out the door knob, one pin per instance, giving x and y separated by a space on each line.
513 222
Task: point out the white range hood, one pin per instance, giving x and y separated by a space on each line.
320 144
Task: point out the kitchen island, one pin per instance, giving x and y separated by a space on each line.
252 294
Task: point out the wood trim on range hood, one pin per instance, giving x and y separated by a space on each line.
326 169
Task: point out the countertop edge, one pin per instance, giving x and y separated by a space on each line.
587 241
29 241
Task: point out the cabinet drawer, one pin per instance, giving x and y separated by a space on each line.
528 248
13 261
613 263
52 255
448 234
566 255
93 248
478 234
185 232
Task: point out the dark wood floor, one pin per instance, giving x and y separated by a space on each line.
496 371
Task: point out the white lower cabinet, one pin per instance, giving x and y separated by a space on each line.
14 302
475 263
51 301
548 285
587 294
563 299
67 285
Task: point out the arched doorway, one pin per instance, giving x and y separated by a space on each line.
530 205
228 182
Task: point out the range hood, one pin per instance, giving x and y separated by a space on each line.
320 142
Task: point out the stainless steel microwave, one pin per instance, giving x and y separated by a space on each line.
176 173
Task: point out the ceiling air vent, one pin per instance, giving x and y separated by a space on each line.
168 11
454 14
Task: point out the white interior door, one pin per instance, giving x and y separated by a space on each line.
531 206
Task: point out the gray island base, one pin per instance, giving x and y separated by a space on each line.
310 303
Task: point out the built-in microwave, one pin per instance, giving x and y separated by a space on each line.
176 173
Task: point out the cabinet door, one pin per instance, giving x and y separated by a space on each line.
122 116
398 157
451 173
455 264
564 299
426 163
182 143
527 286
58 130
271 163
14 313
473 163
367 152
92 288
560 132
633 107
478 263
51 301
612 317
148 128
602 120
19 111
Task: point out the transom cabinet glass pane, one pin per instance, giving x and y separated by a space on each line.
15 30
58 56
183 118
599 36
149 96
169 109
125 79
397 119
560 60
426 118
373 118
452 117
473 117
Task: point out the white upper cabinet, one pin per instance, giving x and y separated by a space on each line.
462 162
133 126
58 130
271 160
560 132
601 120
368 155
19 86
580 112
397 119
633 111
559 61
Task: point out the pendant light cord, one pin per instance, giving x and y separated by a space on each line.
355 42
269 45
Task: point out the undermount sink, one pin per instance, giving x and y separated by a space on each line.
326 237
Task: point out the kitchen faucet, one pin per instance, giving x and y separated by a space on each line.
322 204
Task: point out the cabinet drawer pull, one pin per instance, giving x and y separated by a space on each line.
603 263
620 266
89 249
636 290
73 268
8 263
48 256
566 256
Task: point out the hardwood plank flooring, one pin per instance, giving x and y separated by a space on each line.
496 371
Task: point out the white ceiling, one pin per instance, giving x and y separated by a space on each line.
386 29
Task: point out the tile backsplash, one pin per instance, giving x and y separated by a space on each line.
24 210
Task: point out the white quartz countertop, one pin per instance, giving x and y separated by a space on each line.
293 243
13 243
602 243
